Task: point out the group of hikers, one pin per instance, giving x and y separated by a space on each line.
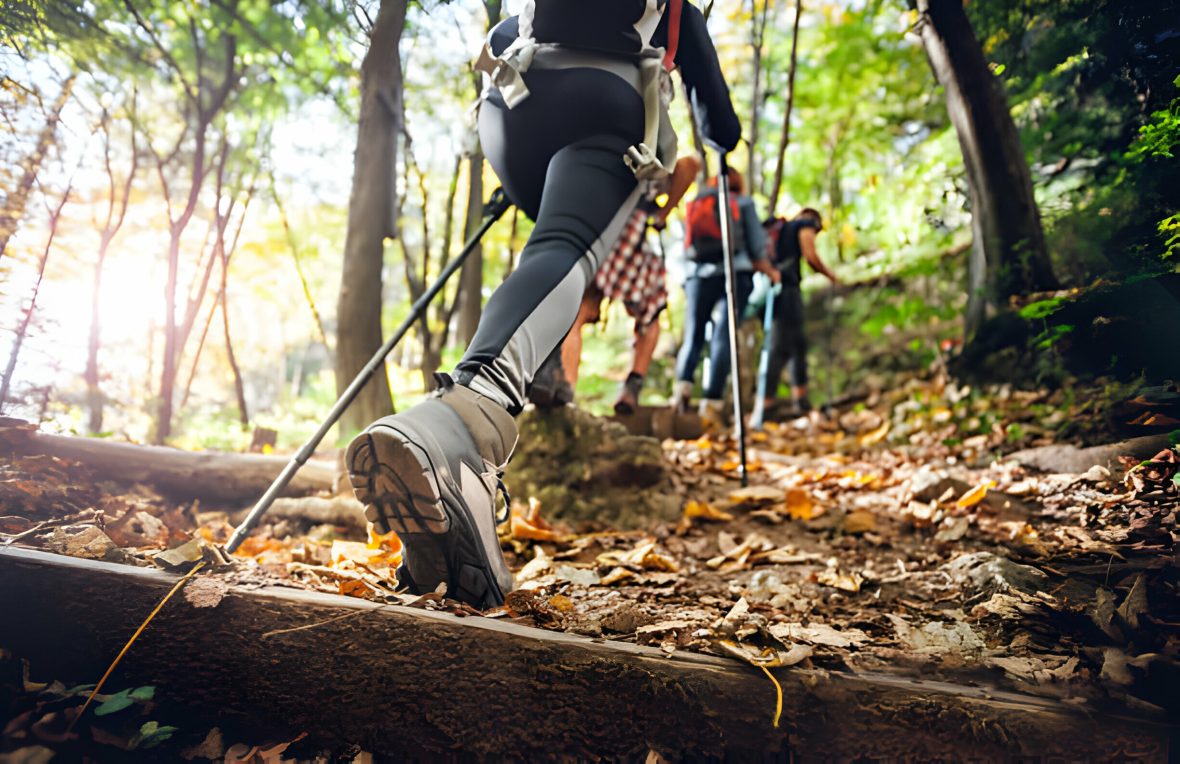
633 274
574 122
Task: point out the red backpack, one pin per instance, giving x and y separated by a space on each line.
703 227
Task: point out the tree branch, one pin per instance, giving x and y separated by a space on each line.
159 46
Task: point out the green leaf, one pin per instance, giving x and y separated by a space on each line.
151 734
144 693
115 703
1041 309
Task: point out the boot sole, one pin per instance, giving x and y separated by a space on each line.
424 507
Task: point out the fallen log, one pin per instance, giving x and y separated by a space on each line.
190 474
406 682
318 510
1068 458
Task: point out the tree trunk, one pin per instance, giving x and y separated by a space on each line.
757 37
119 197
370 218
14 204
239 387
784 137
1009 254
415 684
206 475
471 276
23 329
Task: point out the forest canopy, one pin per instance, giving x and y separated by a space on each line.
175 181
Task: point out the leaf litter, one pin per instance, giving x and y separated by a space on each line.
893 537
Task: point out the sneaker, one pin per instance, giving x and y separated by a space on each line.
432 475
550 389
629 395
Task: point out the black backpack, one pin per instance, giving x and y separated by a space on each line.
603 25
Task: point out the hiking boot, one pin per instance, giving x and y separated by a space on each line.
629 395
432 475
550 388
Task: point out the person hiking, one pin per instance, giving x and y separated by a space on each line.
634 274
572 118
793 241
704 289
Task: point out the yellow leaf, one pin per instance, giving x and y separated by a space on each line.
705 511
561 603
388 541
800 506
876 436
975 495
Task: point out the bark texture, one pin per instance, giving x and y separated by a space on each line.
405 682
370 218
188 474
471 277
1008 255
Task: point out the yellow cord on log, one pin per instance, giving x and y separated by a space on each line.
778 688
126 647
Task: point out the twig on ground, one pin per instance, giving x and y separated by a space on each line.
126 647
317 624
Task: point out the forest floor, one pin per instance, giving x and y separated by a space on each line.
896 535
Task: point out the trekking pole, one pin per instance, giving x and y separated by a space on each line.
759 413
731 301
496 205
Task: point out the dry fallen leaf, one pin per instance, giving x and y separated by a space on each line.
616 575
876 436
705 511
860 521
849 582
528 524
645 555
800 506
206 591
818 634
975 495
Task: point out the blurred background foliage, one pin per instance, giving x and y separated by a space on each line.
265 96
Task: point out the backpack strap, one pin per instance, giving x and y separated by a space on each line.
674 7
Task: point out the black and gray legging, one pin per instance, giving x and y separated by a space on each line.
559 155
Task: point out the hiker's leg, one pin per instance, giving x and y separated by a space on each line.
646 340
533 310
432 472
719 345
571 348
780 350
700 295
559 154
795 341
